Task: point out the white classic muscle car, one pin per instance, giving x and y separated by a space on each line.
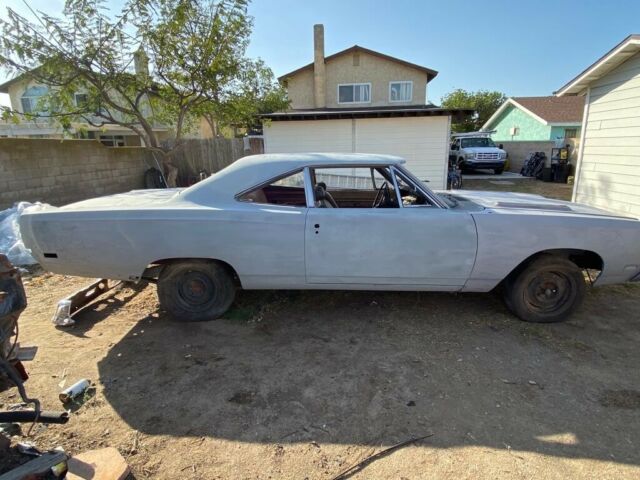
336 221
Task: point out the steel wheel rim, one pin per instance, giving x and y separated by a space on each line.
548 292
196 289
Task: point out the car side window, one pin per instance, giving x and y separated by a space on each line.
410 195
353 187
288 190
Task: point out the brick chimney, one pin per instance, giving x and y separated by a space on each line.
319 77
141 64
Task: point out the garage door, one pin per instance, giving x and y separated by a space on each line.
422 141
320 136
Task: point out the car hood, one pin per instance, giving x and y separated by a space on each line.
483 150
132 199
513 202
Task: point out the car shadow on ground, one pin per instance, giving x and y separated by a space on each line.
379 368
102 309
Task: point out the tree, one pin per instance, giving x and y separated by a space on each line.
155 62
484 102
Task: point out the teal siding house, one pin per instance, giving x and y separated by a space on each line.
525 119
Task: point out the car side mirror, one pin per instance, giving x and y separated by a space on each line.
501 147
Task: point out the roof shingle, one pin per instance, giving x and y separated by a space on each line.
552 109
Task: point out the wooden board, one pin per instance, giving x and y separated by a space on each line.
102 464
35 468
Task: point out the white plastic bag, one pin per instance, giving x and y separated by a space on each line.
10 239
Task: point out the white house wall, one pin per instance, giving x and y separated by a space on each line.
609 172
422 141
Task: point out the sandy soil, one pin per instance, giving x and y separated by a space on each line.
306 384
528 185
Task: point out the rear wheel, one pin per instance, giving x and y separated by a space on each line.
547 290
195 290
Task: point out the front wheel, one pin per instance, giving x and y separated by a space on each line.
548 290
498 171
195 290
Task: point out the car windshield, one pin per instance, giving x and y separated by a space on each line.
477 142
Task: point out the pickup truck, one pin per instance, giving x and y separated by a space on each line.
476 150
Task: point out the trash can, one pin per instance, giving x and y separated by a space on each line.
561 172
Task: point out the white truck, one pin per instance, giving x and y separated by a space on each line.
475 150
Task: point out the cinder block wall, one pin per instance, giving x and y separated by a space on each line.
58 171
518 151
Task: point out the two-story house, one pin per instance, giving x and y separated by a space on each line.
24 95
359 100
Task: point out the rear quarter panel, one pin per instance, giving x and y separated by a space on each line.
507 239
257 241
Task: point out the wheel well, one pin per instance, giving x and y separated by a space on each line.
585 259
154 269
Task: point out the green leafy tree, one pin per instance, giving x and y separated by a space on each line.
153 63
484 102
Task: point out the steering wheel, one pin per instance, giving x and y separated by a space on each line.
382 196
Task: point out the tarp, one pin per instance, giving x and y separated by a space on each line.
10 239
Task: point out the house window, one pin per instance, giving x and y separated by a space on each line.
570 133
400 91
30 98
112 140
81 99
354 93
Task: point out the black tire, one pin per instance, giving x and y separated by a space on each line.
463 167
195 290
498 171
547 290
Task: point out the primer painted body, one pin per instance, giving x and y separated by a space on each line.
471 246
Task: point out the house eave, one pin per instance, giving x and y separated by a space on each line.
615 57
368 112
565 124
431 74
510 101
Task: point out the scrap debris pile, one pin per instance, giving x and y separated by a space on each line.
54 463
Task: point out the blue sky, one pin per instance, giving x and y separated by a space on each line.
517 47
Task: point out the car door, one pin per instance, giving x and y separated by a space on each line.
421 245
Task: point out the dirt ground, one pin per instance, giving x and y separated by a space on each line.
301 385
527 185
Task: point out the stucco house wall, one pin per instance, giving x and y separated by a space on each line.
377 71
300 89
357 67
529 129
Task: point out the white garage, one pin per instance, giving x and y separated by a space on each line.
419 134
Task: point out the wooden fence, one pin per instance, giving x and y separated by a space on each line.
212 155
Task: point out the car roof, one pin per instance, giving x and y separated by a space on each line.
319 159
256 169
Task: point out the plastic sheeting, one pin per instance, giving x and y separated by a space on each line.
10 239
